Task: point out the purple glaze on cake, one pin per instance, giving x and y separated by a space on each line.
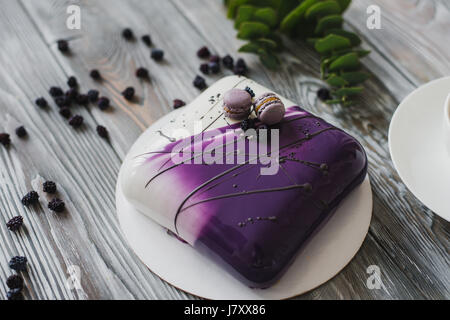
254 224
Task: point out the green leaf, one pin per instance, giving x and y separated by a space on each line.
331 42
245 13
336 81
333 101
285 7
323 8
295 16
233 5
353 37
267 16
345 62
327 22
268 59
252 30
267 43
312 41
250 47
348 91
355 77
343 4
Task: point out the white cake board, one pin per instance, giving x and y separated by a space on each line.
325 255
416 143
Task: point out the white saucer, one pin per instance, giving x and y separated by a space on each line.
328 252
416 142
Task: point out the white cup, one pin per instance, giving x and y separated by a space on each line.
447 123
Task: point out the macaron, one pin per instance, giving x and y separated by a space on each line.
269 108
237 104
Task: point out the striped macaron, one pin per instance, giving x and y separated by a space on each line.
269 108
237 104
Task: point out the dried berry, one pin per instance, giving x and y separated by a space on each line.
5 139
214 58
157 54
142 73
214 67
82 99
21 132
203 52
128 34
240 68
62 101
72 94
93 95
72 82
15 281
95 74
49 187
204 68
30 198
15 223
228 61
56 91
199 82
14 294
76 121
57 205
65 112
147 40
248 124
177 103
128 93
41 102
103 103
250 91
323 94
18 263
63 46
102 132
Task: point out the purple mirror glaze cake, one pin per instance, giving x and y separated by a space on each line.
251 221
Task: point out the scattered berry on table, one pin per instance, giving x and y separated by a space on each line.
128 34
214 58
63 46
102 131
103 103
57 205
93 95
177 103
250 91
240 67
65 112
247 124
199 82
72 82
15 223
228 61
18 263
72 94
82 99
204 68
14 294
21 132
30 198
203 52
76 121
128 93
142 73
49 187
62 101
15 281
95 74
56 91
214 67
5 139
157 54
323 94
41 102
147 40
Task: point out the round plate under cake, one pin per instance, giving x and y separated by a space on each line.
327 252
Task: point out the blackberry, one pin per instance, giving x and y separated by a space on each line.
204 68
15 281
142 73
214 67
247 124
56 91
250 91
240 68
128 34
65 112
5 139
199 82
214 58
177 103
103 103
21 132
30 198
228 61
49 187
82 99
41 102
72 82
63 46
102 132
128 93
157 54
14 294
95 74
203 52
62 101
57 205
323 94
93 95
76 121
72 94
147 40
18 263
15 223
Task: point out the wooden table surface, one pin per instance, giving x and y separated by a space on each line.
406 240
